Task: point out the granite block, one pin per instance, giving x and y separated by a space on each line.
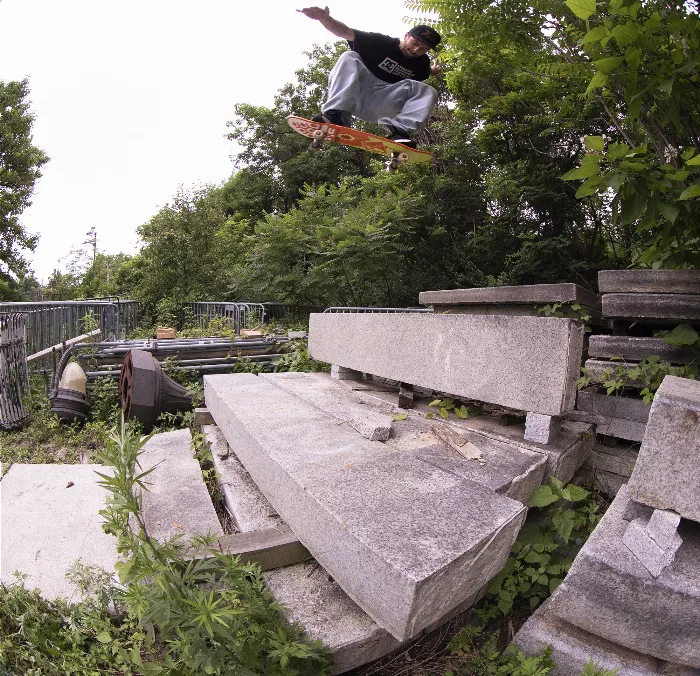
667 474
342 373
607 483
344 405
640 306
663 527
609 593
525 363
636 348
177 501
647 551
541 428
573 648
49 518
406 540
619 459
529 294
649 281
600 371
595 400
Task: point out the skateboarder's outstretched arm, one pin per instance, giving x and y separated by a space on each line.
338 28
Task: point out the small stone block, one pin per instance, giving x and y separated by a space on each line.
541 428
165 333
405 395
297 335
663 526
202 417
342 373
653 557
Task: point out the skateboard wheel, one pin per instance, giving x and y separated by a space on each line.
403 157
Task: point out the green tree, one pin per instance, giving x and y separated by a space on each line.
20 164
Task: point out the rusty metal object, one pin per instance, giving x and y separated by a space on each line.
145 391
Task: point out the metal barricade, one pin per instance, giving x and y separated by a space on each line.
14 376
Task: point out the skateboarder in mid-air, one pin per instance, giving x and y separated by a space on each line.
380 79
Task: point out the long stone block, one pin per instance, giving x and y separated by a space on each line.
609 593
573 648
177 501
49 519
616 460
649 281
526 363
667 474
666 306
527 294
595 400
635 348
406 540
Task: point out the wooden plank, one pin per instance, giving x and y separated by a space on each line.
270 548
72 341
202 417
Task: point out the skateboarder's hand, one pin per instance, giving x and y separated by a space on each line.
316 13
435 68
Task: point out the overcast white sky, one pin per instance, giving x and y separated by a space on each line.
132 98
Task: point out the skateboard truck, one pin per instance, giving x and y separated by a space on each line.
319 136
397 158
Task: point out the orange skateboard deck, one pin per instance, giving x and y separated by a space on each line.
321 132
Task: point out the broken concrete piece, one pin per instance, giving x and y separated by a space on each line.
648 552
525 363
541 428
344 405
342 373
667 473
49 519
419 542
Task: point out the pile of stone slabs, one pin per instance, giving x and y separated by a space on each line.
636 582
408 539
650 296
609 466
512 300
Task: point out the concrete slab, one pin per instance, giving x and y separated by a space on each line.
49 519
667 473
177 501
630 430
244 500
649 281
635 348
573 648
527 294
609 593
525 363
641 306
418 543
320 391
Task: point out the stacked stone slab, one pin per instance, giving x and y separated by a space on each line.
632 597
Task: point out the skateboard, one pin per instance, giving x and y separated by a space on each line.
320 132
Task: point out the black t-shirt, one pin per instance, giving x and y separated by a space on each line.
383 58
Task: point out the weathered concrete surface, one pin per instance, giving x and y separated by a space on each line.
595 400
418 543
634 348
618 460
608 592
631 430
245 502
320 391
649 281
638 306
177 502
667 474
49 519
525 363
573 648
537 294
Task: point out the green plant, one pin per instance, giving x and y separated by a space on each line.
444 406
296 358
544 550
566 310
203 611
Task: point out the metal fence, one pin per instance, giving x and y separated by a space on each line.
51 323
14 376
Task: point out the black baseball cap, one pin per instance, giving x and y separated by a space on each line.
426 34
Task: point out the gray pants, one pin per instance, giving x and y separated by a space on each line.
353 89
